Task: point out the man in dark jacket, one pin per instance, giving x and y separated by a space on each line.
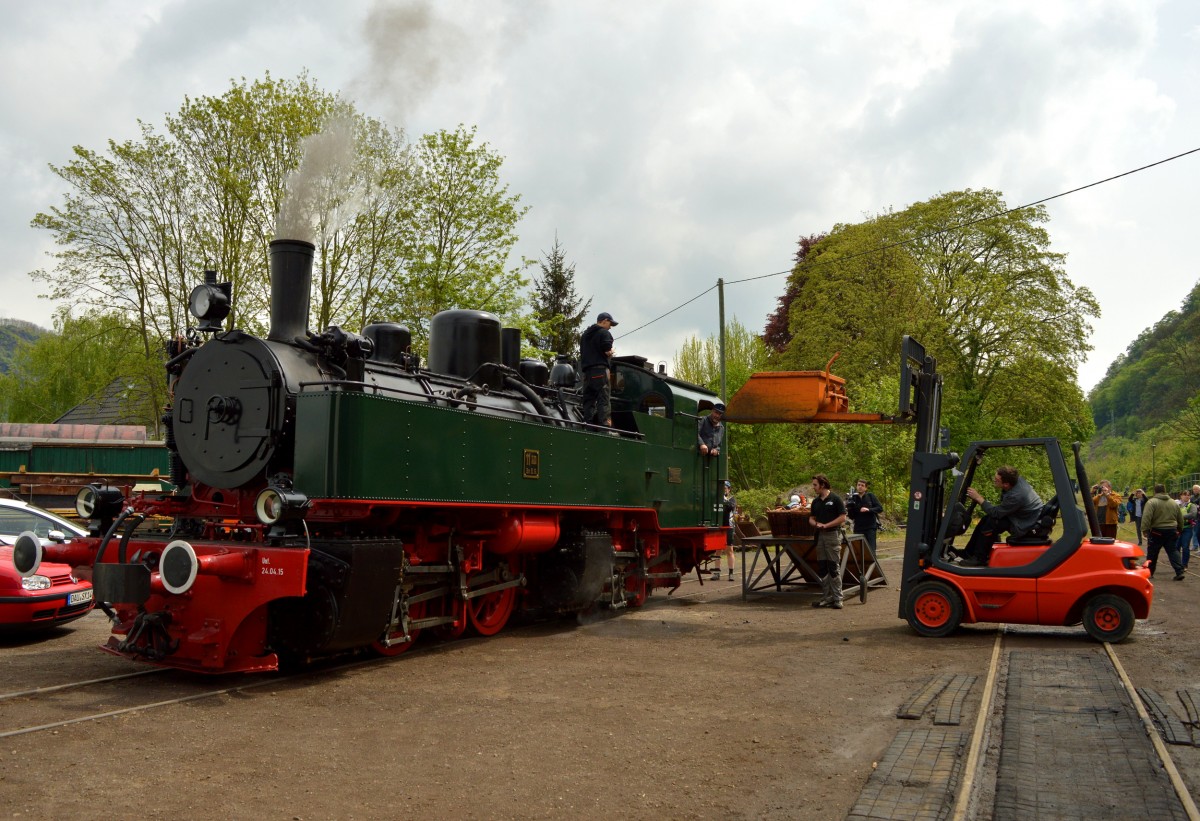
1163 520
864 508
827 514
710 433
595 351
1017 512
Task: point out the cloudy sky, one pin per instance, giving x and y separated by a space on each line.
670 143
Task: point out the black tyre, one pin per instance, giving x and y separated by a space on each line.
933 609
1108 617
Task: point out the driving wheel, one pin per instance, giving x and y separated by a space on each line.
490 612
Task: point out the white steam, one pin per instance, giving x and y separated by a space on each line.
321 194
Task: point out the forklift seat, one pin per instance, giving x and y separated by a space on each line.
1040 532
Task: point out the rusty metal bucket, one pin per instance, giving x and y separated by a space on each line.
796 396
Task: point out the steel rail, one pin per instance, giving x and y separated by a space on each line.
1185 797
54 688
974 762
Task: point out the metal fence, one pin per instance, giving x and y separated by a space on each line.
1184 482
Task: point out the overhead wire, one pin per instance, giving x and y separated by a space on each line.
928 235
712 287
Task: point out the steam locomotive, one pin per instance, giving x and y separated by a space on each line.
335 493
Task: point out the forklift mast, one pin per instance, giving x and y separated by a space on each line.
921 404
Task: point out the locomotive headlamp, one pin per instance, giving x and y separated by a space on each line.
275 504
97 501
210 302
178 567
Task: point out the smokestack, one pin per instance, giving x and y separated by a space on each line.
291 282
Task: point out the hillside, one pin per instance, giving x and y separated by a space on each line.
1147 407
1153 380
12 333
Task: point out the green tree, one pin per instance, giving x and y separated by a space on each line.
978 286
699 361
856 296
141 221
13 332
557 308
464 227
239 149
123 232
384 223
1013 322
353 196
80 359
401 231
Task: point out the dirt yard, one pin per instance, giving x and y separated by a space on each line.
699 705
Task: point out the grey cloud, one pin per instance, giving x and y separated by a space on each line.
672 143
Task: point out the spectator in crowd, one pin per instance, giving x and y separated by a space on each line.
1162 520
864 508
728 512
1187 507
1136 506
1196 528
1107 502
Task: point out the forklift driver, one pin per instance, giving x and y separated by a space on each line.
1017 512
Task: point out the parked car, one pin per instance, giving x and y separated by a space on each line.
52 596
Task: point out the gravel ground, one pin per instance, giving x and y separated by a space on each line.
699 705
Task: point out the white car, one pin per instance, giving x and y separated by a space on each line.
16 517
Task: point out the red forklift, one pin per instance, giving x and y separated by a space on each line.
1078 576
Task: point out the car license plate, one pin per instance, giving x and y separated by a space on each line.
79 597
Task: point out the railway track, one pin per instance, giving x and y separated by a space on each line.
52 707
39 709
1058 734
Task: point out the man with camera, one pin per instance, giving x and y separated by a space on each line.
1108 508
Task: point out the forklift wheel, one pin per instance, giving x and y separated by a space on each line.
933 609
1108 617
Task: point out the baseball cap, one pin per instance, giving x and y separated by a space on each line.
608 316
719 406
728 483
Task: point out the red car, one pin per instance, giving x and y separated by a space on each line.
50 597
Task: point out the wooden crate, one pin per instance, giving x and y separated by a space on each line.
790 522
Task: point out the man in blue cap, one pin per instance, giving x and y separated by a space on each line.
595 351
710 433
